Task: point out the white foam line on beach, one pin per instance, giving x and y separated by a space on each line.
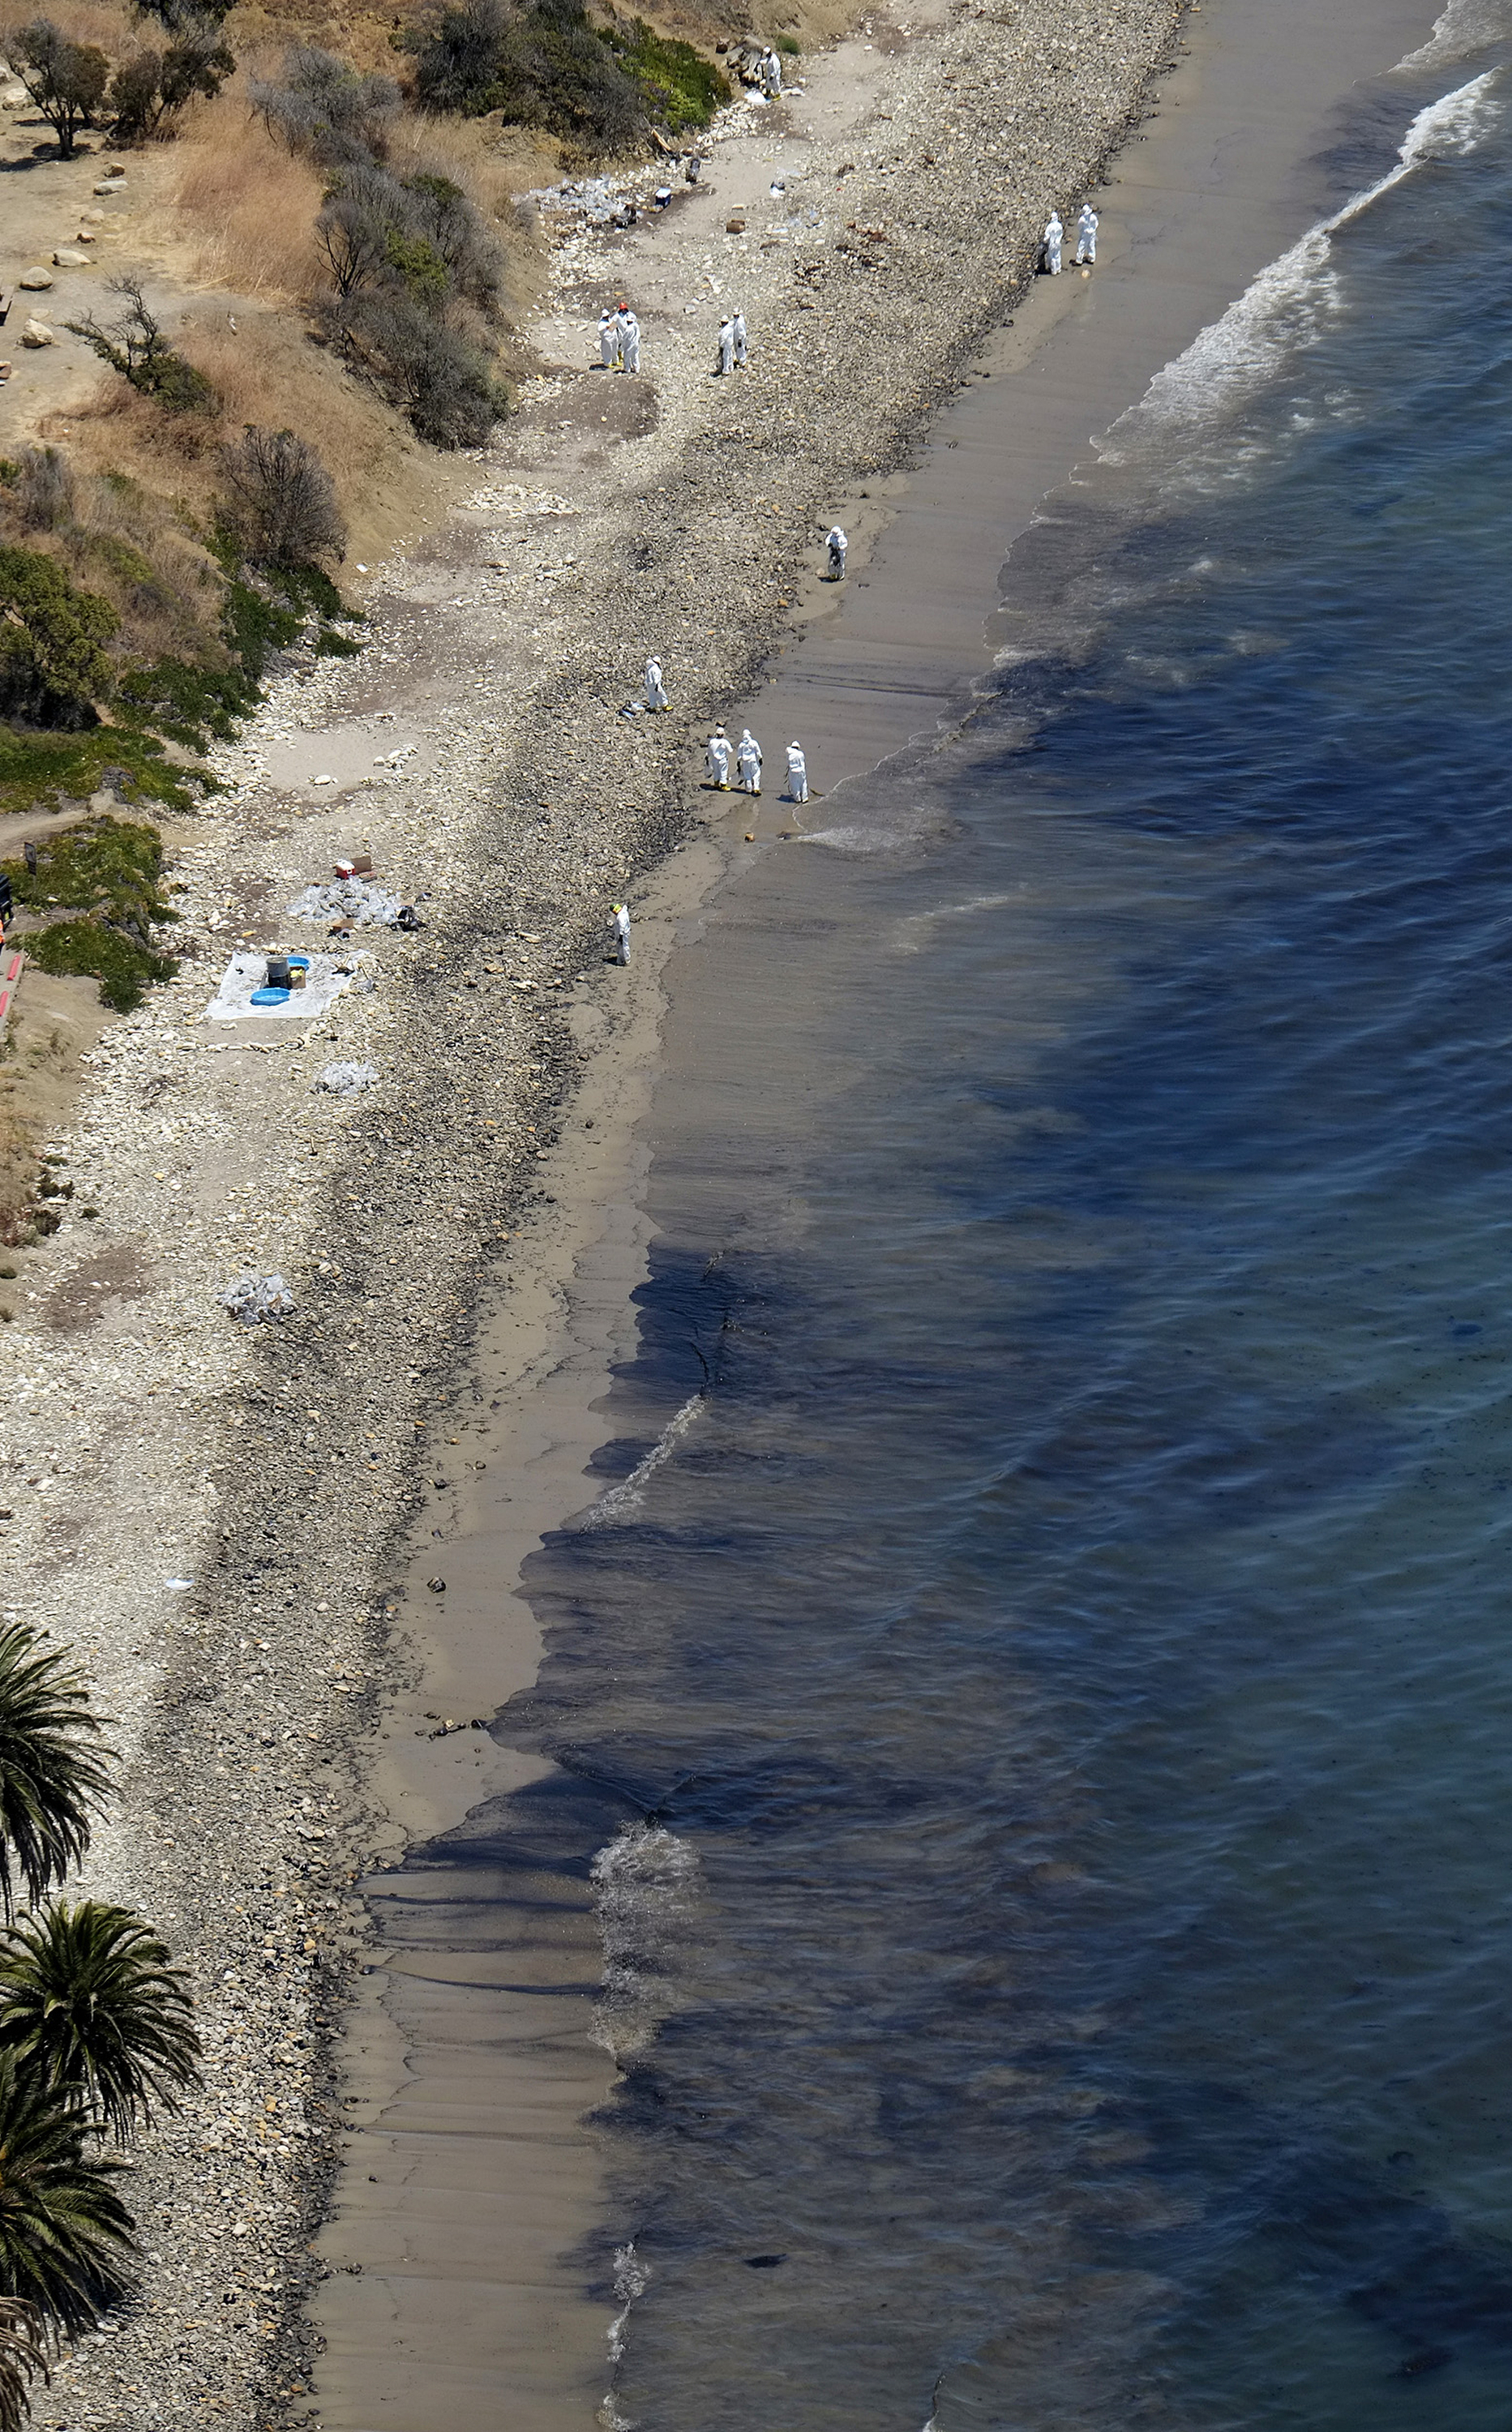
1284 309
1466 25
626 1496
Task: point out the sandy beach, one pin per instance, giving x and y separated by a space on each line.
376 2213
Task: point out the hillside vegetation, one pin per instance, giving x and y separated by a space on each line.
193 519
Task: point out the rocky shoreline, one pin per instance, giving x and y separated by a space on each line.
280 1468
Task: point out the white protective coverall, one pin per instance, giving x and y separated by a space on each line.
748 761
655 691
771 74
717 754
738 327
1087 234
1054 234
630 341
727 346
608 340
837 544
622 931
797 773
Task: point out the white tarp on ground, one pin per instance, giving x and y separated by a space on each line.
233 1000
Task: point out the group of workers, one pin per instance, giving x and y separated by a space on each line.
1086 240
719 754
620 349
618 339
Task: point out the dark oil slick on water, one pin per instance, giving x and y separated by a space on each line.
1044 1709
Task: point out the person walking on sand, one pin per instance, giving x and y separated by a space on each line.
737 331
1054 235
655 690
717 755
837 544
608 338
726 362
797 774
748 761
622 932
1087 234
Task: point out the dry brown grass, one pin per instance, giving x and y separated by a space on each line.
245 210
270 372
108 28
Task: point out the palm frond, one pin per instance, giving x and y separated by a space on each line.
22 2358
90 2000
66 2238
53 1774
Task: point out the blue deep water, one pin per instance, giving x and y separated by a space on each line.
1050 1685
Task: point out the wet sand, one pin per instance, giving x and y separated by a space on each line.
470 2195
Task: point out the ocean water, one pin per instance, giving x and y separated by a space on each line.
1035 1690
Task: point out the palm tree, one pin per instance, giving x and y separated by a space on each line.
51 1777
20 2358
89 2004
65 2236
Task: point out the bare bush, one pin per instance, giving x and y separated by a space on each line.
446 387
134 345
43 489
326 110
284 500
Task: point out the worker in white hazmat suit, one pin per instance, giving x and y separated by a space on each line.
629 340
737 330
726 362
797 773
620 931
771 74
837 544
655 690
1054 236
748 761
608 338
717 756
1087 234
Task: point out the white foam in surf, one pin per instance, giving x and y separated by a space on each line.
1466 25
1287 307
645 1884
627 1496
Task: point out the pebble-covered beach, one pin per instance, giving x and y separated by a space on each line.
210 1512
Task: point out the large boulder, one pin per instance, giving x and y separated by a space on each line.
35 276
68 257
36 334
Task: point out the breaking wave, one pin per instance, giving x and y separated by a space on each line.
1287 307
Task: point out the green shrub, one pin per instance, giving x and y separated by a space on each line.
678 87
543 65
187 702
103 864
107 871
52 666
255 626
336 646
86 949
42 769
